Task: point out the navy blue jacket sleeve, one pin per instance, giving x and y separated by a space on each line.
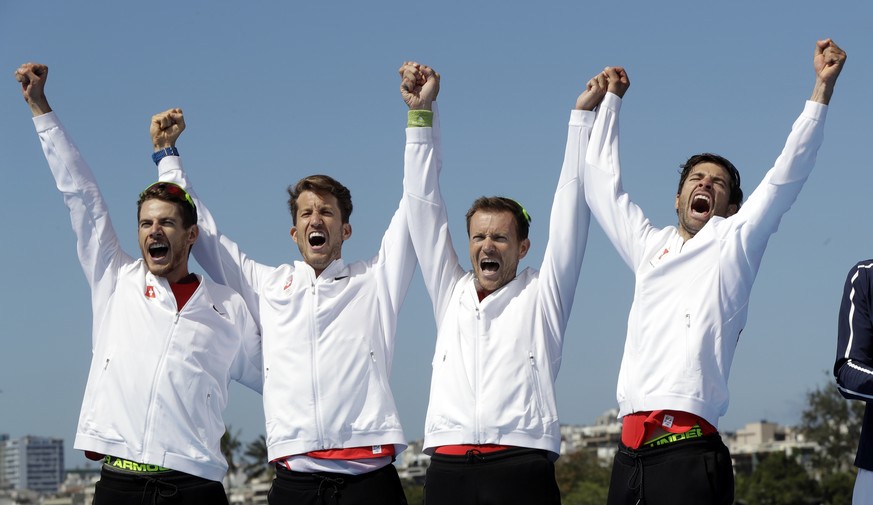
853 367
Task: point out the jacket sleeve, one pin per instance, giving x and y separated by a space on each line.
96 242
395 266
426 211
219 256
762 212
853 367
621 219
568 233
248 367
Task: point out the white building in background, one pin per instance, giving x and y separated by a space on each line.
412 463
3 485
751 444
34 463
602 438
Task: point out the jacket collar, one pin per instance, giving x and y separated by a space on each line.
335 271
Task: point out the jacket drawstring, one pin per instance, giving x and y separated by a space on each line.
636 480
162 489
329 484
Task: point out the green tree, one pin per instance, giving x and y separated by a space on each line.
837 488
834 423
256 462
230 445
414 492
581 478
778 480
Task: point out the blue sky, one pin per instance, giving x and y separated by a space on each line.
275 91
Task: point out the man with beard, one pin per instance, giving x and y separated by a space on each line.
691 297
165 342
328 329
492 425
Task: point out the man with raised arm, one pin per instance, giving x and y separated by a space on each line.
328 328
165 342
693 283
492 422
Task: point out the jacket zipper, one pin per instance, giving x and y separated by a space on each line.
687 337
476 404
538 392
159 370
319 428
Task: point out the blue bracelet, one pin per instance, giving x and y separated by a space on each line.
157 156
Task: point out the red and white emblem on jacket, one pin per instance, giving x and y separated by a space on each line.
288 283
150 292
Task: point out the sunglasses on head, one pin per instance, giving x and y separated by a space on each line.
171 189
523 210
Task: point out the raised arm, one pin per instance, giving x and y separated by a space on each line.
853 367
97 244
219 256
247 367
569 219
760 216
622 220
428 221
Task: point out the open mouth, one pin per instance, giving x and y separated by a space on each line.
489 265
317 239
158 250
701 204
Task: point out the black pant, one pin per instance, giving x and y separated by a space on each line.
121 488
697 471
380 487
517 476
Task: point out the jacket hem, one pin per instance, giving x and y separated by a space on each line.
204 469
283 449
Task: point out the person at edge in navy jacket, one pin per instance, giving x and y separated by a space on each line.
853 367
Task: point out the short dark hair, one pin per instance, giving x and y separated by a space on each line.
172 193
502 204
736 192
323 184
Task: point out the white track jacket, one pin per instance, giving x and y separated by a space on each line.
159 376
690 299
496 361
328 340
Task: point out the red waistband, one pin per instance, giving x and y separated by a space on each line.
370 451
461 450
640 427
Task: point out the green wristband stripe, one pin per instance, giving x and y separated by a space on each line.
419 118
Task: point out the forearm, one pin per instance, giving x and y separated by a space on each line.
568 226
97 243
426 213
855 381
760 215
797 158
623 221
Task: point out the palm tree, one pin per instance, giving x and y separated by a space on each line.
257 463
230 446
